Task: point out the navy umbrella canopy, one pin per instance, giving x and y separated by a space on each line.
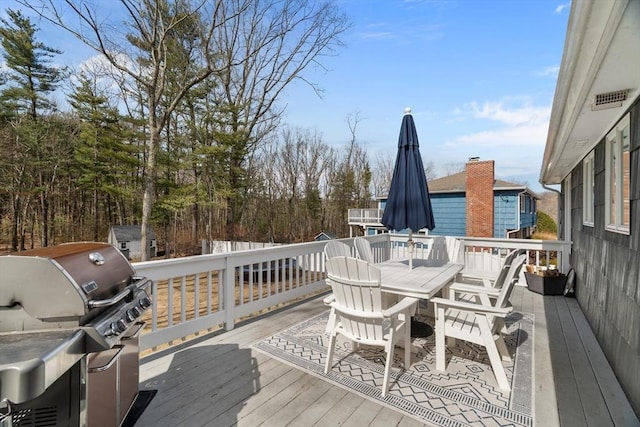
408 205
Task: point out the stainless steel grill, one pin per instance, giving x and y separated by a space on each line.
68 315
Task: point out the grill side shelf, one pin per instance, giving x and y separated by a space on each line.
31 362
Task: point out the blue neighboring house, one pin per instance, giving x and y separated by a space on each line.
460 208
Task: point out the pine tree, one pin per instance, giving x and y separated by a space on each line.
28 81
101 154
30 78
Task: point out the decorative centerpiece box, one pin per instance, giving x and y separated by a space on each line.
545 281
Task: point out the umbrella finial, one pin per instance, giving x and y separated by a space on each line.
407 110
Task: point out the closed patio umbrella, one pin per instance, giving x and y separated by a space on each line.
408 205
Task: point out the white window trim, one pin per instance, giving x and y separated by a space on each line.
614 224
588 181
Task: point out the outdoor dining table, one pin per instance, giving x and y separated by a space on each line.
423 281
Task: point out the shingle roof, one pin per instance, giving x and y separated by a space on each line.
455 182
458 182
130 233
325 235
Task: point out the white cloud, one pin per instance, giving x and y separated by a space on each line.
514 134
377 35
562 7
499 111
549 72
510 137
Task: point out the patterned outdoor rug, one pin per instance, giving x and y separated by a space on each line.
466 394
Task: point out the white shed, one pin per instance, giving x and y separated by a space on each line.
127 239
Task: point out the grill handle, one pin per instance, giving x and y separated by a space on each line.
110 301
6 416
110 362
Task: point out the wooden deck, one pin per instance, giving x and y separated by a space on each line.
218 380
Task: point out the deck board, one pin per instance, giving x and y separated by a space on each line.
613 398
364 414
280 408
588 392
316 412
219 380
562 372
341 411
546 407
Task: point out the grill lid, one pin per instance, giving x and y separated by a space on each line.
63 282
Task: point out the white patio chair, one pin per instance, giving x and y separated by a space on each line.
481 323
486 280
445 248
335 248
363 249
359 313
495 284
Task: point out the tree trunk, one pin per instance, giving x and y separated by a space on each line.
44 213
149 186
95 213
15 221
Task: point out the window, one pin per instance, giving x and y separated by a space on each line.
587 190
618 208
523 204
123 245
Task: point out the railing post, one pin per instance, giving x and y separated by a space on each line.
566 251
228 287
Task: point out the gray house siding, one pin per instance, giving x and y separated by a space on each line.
449 212
607 268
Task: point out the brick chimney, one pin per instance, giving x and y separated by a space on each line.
479 188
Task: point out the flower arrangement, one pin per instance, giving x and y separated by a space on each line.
545 280
550 271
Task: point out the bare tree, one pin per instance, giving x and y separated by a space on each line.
381 174
144 53
314 163
260 55
350 180
300 163
453 168
288 165
252 49
430 170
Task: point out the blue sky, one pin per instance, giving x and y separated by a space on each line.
479 76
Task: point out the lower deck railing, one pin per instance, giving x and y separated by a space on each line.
201 293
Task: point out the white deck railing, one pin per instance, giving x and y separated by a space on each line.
200 293
365 216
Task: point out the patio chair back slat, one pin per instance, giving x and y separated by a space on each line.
363 249
445 248
335 248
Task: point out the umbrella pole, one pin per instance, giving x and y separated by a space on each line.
410 245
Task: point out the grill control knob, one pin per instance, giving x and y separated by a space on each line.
145 303
119 327
133 313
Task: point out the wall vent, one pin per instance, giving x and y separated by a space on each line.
602 101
